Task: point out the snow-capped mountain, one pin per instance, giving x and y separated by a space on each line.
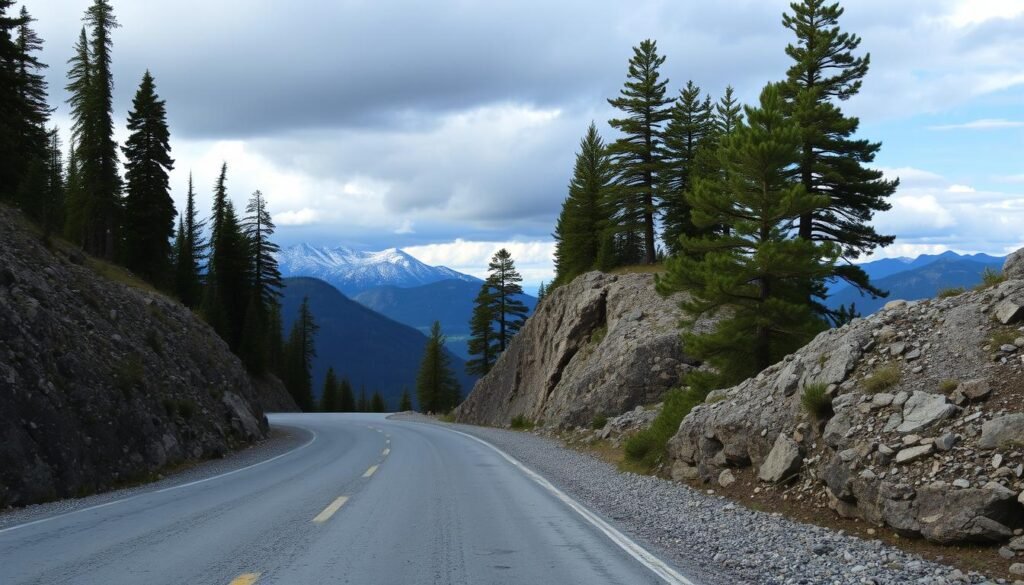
352 271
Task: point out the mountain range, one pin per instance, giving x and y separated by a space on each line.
448 301
915 278
352 271
369 349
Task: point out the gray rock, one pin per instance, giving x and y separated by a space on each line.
1008 348
975 389
1017 569
961 483
1006 553
1002 432
783 460
1008 312
726 478
974 514
912 355
923 410
945 441
1013 266
882 399
914 453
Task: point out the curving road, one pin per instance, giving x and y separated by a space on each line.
364 500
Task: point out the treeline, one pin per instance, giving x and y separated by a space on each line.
222 266
338 396
758 206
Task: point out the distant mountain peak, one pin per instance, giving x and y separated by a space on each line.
353 271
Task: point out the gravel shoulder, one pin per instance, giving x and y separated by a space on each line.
282 440
711 539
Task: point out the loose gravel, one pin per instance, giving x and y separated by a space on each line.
711 539
282 440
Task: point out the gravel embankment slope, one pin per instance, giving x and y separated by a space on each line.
711 539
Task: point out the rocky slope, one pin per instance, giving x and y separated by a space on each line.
102 383
601 344
926 429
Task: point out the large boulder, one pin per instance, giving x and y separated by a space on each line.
922 410
986 514
1003 432
1013 266
783 460
600 345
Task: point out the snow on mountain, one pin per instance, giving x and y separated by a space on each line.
352 271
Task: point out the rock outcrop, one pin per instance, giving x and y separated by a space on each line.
602 344
102 383
926 429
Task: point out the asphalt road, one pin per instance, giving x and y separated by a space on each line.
364 500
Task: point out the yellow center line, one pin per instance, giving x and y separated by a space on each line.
385 452
246 579
330 510
370 471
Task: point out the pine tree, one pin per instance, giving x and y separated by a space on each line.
78 87
362 405
377 403
636 156
301 349
405 404
148 208
258 227
541 292
755 277
190 253
504 291
226 296
436 387
728 114
346 399
688 129
97 150
584 219
330 400
53 198
825 72
24 112
483 339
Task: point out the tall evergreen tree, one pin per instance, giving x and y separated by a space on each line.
190 252
405 403
299 357
825 71
148 208
78 87
436 387
346 398
226 296
756 275
584 219
505 291
363 404
52 216
483 340
258 227
688 129
542 292
636 155
377 403
728 113
96 148
330 400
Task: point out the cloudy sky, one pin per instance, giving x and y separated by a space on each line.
448 128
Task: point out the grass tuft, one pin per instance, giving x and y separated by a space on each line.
990 277
649 445
948 385
945 293
816 401
521 423
883 378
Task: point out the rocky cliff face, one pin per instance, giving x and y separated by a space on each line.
102 383
926 433
602 344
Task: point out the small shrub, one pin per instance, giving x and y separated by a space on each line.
599 421
948 386
448 417
991 277
1003 337
883 378
598 335
816 401
945 293
649 445
521 423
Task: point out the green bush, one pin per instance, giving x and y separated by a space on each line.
816 401
991 277
521 423
883 378
945 293
648 446
948 386
599 421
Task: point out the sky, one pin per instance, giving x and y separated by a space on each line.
449 128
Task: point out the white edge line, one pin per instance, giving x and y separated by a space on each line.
647 559
160 491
